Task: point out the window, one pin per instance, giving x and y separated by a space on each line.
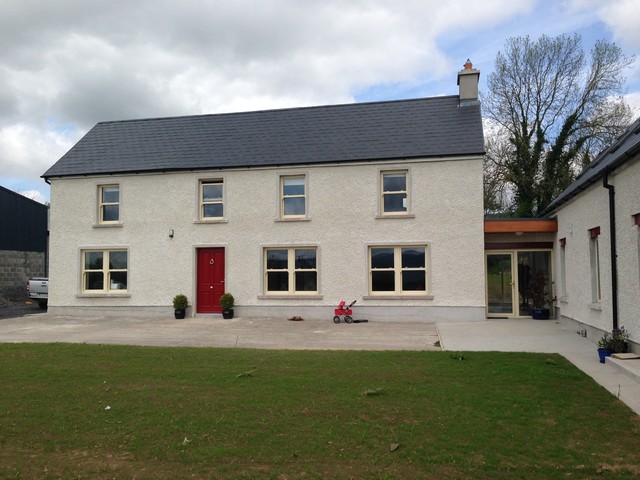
397 270
594 259
563 267
109 203
211 203
292 197
104 271
291 270
395 193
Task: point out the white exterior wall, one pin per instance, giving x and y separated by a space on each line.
342 206
591 209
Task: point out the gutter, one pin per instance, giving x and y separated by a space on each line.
614 253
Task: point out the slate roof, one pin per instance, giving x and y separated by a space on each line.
626 147
428 127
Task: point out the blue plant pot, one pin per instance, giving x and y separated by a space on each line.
540 313
603 353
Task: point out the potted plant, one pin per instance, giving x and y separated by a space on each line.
605 347
227 302
180 303
619 340
538 294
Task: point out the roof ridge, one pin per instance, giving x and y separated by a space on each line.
283 109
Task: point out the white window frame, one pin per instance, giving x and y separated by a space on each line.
291 271
282 197
202 202
398 269
105 270
102 204
406 192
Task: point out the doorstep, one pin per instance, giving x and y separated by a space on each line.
629 367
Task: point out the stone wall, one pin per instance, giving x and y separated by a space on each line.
15 269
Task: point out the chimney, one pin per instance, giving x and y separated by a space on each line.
468 81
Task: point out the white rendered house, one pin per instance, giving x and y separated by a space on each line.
289 210
598 242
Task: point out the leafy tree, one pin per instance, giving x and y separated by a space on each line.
553 113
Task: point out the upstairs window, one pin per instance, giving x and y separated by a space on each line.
211 199
395 192
293 202
109 203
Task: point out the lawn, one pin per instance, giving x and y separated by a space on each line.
83 411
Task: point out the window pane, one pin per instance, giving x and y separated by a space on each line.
413 258
212 210
110 213
110 194
396 202
394 182
118 281
277 259
94 281
382 258
118 260
306 281
93 261
293 186
212 191
383 282
414 280
294 206
305 259
277 281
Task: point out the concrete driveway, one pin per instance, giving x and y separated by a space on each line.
215 332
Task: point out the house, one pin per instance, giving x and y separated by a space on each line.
289 210
23 243
598 242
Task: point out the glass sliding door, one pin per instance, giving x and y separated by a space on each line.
500 285
535 287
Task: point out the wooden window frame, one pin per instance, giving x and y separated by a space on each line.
105 270
398 269
102 204
202 202
291 271
406 192
282 196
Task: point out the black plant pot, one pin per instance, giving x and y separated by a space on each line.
540 313
227 313
179 313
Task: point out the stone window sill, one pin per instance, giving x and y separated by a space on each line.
398 297
290 297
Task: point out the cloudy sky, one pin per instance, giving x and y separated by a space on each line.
67 64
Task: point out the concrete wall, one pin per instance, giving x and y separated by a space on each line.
588 210
343 221
15 269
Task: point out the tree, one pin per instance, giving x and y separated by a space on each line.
555 111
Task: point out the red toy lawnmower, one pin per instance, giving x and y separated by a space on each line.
344 310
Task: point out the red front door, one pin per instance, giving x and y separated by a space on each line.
210 279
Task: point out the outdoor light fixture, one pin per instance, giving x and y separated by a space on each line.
171 233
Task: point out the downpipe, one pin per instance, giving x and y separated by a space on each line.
614 252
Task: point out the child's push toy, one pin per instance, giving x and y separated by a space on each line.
345 310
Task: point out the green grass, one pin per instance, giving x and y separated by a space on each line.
223 413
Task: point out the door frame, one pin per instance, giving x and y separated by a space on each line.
515 298
514 286
195 273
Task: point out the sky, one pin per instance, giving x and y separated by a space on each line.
66 65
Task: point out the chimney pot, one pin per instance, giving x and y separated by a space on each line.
468 65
